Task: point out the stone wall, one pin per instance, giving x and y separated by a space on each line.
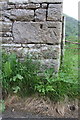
33 27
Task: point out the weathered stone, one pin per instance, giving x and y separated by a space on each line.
5 27
5 34
20 14
27 6
54 12
11 45
6 19
18 1
44 6
7 40
44 1
35 1
40 15
50 63
11 7
33 27
26 32
42 51
3 5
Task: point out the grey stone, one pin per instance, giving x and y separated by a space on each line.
44 1
11 45
5 34
35 1
43 52
26 32
7 40
20 14
6 19
27 6
11 7
50 63
44 6
40 15
3 5
33 6
54 12
5 27
18 1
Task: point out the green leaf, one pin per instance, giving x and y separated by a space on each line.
16 89
19 77
7 69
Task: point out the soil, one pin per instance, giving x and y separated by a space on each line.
36 106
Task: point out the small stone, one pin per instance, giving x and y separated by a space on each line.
40 15
7 39
33 6
3 5
44 5
5 27
54 12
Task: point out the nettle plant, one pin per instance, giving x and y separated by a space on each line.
17 75
23 78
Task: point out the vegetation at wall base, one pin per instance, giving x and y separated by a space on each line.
23 79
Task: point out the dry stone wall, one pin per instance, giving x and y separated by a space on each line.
33 27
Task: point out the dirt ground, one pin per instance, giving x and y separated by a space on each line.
39 107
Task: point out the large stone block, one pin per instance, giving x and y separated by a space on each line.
40 15
36 32
54 12
20 14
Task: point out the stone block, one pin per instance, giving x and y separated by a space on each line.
50 63
44 5
40 15
33 6
5 27
44 1
7 40
42 51
36 32
5 34
20 14
35 1
27 6
12 45
3 5
54 12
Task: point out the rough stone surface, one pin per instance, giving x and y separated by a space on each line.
54 12
3 5
5 34
44 5
38 32
35 1
33 27
20 15
50 63
7 40
43 51
27 6
5 27
40 15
